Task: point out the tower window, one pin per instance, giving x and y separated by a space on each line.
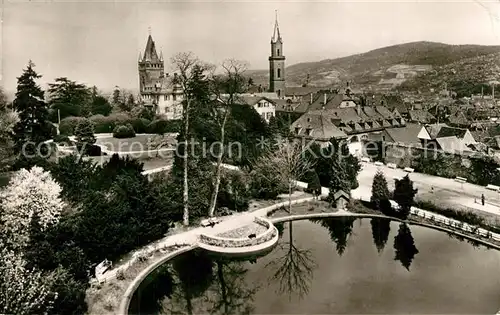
278 52
174 97
279 73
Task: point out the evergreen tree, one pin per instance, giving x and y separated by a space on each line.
33 127
404 195
116 96
69 98
380 192
84 133
313 184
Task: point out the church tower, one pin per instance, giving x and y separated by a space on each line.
151 69
277 63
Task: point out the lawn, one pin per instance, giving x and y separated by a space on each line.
138 143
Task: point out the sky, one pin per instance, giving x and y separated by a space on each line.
98 42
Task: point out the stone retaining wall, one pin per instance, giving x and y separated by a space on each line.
242 242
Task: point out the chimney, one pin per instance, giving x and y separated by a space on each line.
324 98
311 101
493 93
358 109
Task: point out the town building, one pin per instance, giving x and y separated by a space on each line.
277 63
446 138
353 124
157 89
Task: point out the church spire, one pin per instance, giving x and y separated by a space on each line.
150 53
276 35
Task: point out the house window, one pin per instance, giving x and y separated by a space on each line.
174 97
308 131
279 73
297 130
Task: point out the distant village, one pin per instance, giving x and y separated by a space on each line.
437 119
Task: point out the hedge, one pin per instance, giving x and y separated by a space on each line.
162 126
68 124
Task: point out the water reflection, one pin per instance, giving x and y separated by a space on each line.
404 245
380 232
339 229
293 268
194 274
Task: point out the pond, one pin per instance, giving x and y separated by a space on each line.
333 266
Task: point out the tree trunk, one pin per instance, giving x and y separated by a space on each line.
185 195
218 169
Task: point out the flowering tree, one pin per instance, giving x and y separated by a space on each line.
29 194
23 290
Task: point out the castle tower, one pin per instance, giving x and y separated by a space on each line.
277 63
151 68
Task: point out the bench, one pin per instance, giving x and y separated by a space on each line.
379 163
493 187
391 165
365 159
409 169
210 222
460 179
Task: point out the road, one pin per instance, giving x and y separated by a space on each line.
446 192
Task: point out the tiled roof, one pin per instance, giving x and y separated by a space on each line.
451 131
433 129
406 135
317 126
421 116
300 91
452 144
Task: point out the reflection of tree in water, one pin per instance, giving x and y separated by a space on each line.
339 229
205 286
193 276
404 246
230 294
294 268
474 243
380 232
157 286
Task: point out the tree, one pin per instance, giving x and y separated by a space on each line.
29 193
404 246
130 104
190 76
116 96
380 232
226 88
101 106
289 164
84 133
404 195
33 128
69 98
24 291
314 186
380 193
8 119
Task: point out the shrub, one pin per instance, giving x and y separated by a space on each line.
140 125
123 131
92 150
108 124
161 126
68 125
62 139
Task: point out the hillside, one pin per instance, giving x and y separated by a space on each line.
466 77
380 68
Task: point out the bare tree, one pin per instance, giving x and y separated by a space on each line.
289 163
186 64
226 89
